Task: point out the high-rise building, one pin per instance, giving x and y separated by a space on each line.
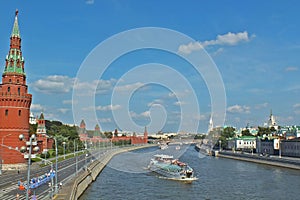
15 101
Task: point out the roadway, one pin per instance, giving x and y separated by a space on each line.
66 170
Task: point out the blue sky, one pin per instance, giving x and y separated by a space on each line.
254 46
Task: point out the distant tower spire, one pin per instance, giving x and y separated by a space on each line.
271 121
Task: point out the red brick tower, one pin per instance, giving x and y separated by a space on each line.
41 134
14 102
145 136
82 131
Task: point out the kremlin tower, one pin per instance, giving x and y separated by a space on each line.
44 142
15 102
145 136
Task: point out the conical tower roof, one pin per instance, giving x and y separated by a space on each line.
16 31
42 116
82 124
14 62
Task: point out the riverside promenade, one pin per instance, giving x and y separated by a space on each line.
287 162
76 186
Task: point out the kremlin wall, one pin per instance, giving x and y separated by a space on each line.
98 137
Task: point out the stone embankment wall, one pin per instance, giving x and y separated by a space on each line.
83 180
274 161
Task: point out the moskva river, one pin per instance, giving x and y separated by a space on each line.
126 177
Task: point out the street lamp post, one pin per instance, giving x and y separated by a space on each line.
76 166
1 160
279 148
56 161
85 161
64 143
30 144
252 147
220 146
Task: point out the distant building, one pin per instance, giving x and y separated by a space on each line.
268 145
289 132
290 147
243 143
271 122
32 119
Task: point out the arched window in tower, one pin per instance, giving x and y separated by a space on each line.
19 112
19 91
18 81
6 112
9 80
8 89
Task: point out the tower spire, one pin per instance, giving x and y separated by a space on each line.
14 62
16 31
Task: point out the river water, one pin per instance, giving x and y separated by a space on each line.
127 178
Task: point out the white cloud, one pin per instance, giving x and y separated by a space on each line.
263 105
201 117
155 102
226 39
68 102
257 90
129 87
89 2
103 86
220 50
108 107
238 109
179 94
293 88
146 113
142 115
297 108
36 107
192 46
105 120
297 112
297 105
179 103
229 39
291 68
63 110
53 84
102 108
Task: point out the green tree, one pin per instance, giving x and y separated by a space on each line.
228 132
246 132
263 131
